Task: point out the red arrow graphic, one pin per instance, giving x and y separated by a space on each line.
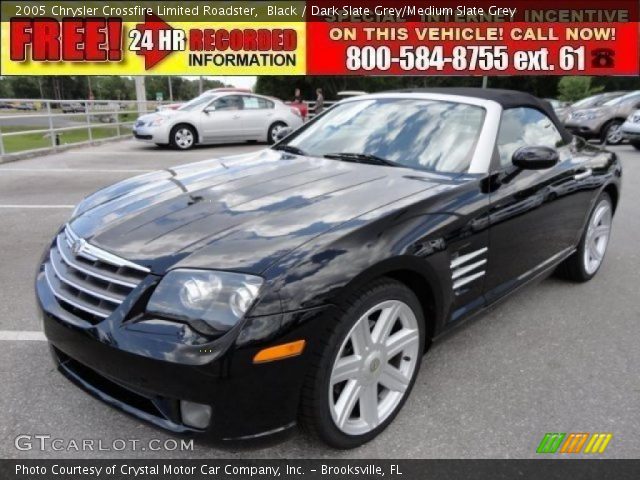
154 24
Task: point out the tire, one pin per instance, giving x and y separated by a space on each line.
611 133
578 267
636 145
182 137
324 392
273 130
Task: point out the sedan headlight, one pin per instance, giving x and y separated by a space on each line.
156 122
211 302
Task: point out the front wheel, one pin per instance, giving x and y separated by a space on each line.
362 376
182 137
612 133
586 261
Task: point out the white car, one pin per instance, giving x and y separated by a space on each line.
218 117
631 129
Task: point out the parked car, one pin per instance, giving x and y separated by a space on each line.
631 129
604 122
302 283
588 102
26 106
218 116
6 106
73 107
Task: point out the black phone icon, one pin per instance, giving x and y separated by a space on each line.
603 58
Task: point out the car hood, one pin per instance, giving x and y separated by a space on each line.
238 213
168 113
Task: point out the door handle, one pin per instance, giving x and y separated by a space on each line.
582 175
237 115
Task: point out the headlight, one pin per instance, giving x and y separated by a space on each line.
592 115
211 302
156 122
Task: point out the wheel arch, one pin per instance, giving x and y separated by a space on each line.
416 275
613 192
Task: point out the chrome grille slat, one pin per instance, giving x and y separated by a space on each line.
58 267
66 256
68 298
88 281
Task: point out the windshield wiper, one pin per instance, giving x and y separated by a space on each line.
362 158
289 149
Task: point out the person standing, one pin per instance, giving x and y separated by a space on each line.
319 102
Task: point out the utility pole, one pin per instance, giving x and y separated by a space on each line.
170 89
141 94
200 86
485 81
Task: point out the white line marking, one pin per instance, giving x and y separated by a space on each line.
37 206
74 170
18 335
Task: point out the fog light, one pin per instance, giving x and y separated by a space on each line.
195 415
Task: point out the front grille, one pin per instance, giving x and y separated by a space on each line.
89 282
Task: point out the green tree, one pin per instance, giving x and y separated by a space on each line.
573 89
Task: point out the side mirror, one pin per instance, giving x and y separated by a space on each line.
282 133
208 110
535 158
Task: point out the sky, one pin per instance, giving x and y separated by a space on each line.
243 82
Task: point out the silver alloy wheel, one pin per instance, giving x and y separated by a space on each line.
614 134
275 130
374 367
597 238
184 138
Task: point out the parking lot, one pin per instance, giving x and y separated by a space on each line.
556 357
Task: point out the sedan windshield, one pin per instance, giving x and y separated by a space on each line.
197 102
416 133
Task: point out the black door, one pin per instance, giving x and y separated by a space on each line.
535 215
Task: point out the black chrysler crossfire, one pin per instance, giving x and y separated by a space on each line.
301 284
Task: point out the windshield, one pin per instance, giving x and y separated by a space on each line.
416 133
197 102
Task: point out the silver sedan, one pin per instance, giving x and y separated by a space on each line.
218 117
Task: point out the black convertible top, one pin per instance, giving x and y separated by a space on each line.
506 98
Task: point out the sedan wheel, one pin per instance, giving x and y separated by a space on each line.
274 131
374 367
597 237
183 137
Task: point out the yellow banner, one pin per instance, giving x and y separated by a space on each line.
266 48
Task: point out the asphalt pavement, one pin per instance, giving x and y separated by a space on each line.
556 357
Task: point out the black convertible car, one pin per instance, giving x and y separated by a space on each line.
303 283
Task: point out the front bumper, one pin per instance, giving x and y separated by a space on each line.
147 370
158 134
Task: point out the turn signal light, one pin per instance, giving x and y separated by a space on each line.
279 352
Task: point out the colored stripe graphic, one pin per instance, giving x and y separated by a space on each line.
574 443
550 443
598 443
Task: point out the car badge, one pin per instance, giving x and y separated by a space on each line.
78 246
